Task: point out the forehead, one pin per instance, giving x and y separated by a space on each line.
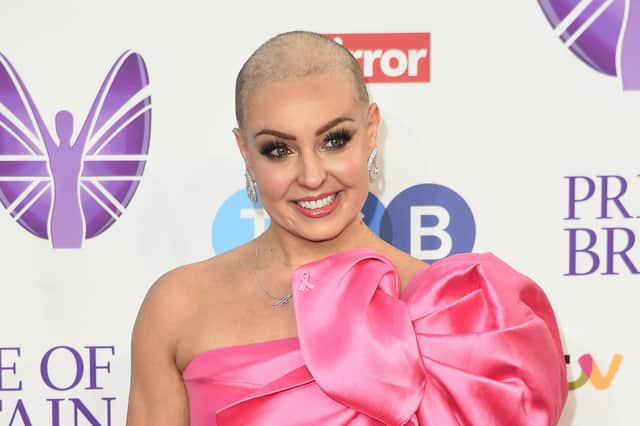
297 102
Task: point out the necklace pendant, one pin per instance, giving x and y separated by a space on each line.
283 300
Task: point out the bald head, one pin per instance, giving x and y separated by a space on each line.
296 54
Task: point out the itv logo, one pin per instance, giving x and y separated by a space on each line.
591 372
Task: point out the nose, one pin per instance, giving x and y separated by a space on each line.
312 172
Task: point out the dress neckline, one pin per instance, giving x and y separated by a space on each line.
284 341
290 342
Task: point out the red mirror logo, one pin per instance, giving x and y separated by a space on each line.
391 57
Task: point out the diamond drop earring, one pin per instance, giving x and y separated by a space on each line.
372 165
251 187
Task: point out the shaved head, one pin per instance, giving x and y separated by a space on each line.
294 55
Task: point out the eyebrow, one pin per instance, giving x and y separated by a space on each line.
320 131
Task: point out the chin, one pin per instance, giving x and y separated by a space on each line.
329 230
319 237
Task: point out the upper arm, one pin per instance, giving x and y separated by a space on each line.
157 393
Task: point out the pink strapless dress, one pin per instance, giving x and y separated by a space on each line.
470 342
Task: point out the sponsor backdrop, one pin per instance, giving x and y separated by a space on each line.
507 126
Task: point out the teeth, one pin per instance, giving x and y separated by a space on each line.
317 204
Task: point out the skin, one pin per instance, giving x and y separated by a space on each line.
217 303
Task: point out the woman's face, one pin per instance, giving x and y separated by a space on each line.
306 142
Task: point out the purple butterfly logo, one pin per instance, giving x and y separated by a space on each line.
605 34
68 187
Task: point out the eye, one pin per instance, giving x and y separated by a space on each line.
275 150
337 139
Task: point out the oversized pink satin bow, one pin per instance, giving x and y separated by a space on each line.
471 342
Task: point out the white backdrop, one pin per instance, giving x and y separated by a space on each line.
509 113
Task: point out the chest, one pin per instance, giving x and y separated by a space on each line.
241 315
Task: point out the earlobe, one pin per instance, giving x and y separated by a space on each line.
250 183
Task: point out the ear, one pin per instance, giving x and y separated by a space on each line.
373 122
242 145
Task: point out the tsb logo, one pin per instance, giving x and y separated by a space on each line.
430 222
389 58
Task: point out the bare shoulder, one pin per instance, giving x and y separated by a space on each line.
199 305
173 292
167 318
180 287
177 296
157 395
166 305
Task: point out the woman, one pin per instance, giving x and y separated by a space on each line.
318 321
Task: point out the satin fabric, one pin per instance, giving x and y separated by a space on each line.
470 342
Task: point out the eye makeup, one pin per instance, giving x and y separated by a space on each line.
275 150
337 139
332 141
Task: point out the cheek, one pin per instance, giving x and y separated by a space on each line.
350 170
273 184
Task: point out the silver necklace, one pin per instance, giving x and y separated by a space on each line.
277 301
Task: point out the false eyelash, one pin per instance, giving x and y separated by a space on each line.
342 134
270 146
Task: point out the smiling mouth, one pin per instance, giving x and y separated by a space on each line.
318 204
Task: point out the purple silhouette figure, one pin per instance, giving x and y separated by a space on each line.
598 31
70 190
65 164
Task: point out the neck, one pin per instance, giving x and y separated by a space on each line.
294 250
